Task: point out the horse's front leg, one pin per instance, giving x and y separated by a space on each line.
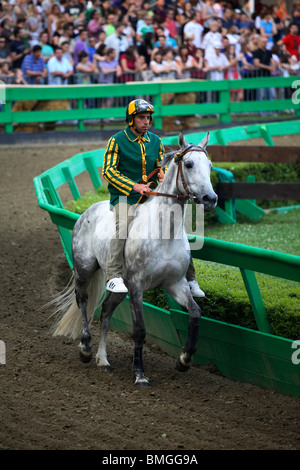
139 335
182 294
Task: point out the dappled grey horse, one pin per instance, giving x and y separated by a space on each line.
154 258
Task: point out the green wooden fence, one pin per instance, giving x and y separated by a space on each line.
222 106
240 353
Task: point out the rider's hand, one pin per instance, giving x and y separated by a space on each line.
161 176
141 188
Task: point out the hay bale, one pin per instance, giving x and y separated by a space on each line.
34 105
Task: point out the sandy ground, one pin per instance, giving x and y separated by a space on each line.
50 400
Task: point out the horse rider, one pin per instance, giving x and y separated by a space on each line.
130 156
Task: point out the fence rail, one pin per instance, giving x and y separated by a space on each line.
80 94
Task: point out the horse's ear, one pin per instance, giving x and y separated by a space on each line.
204 141
182 140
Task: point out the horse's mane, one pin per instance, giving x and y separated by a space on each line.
168 158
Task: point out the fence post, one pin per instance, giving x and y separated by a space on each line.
224 97
157 107
80 124
8 127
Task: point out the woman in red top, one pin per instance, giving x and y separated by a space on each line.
129 64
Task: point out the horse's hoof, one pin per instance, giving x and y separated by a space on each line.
180 366
85 357
141 381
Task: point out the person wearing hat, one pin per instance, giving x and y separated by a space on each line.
130 156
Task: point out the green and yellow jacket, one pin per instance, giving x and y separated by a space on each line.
128 159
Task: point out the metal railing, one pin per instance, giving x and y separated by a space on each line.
103 101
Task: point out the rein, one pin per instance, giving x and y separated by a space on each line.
178 160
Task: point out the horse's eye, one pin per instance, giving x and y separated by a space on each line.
189 164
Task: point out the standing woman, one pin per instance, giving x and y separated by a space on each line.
52 23
185 62
208 14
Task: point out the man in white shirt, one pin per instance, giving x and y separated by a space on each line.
209 38
217 62
59 69
117 40
195 28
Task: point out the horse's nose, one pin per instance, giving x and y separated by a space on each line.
210 199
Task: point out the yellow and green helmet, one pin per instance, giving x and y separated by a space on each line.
137 107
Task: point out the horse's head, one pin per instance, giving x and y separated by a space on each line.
196 167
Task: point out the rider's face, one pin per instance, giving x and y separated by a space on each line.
141 122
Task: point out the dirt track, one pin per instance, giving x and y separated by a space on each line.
50 400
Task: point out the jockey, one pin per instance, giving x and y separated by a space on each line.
130 156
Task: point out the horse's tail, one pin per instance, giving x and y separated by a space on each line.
69 317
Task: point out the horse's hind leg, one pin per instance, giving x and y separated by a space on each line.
109 305
139 335
181 293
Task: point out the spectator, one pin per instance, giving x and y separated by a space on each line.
133 16
66 52
52 22
217 62
100 55
282 12
74 13
193 26
291 42
80 45
208 14
17 49
171 66
18 78
85 69
109 68
163 43
6 75
210 37
129 64
128 31
247 60
185 62
189 43
268 29
296 14
145 49
4 52
68 35
227 20
59 69
234 38
35 24
157 67
159 10
47 50
95 24
233 71
117 41
144 26
199 65
110 24
183 16
7 30
34 68
20 10
171 24
91 48
263 61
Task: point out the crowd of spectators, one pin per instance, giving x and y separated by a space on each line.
92 41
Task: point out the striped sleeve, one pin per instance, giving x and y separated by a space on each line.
161 155
110 169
